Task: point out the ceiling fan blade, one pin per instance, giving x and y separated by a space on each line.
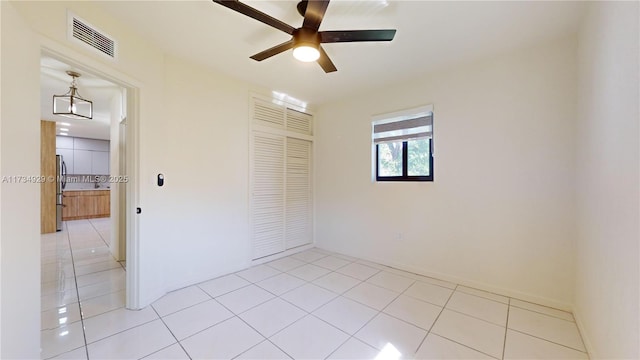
325 63
256 14
356 35
273 51
314 14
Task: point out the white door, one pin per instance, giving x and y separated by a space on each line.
267 194
298 193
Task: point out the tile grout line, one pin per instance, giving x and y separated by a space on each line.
374 316
98 232
506 329
545 314
254 329
444 337
75 279
547 340
172 334
436 319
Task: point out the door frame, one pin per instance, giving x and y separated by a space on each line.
133 88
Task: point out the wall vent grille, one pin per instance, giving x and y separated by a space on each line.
89 35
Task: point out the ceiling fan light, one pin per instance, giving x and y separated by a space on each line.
306 53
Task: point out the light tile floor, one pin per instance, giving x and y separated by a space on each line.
311 305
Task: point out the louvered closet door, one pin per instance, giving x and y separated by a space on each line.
298 193
268 194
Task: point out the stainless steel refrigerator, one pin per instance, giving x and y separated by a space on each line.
61 182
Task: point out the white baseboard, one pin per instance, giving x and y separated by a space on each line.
588 344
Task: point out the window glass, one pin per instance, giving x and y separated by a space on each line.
390 159
418 157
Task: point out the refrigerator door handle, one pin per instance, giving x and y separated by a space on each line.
64 175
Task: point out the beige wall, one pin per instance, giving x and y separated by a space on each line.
20 206
499 214
607 277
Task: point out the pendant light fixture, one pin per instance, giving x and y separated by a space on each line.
71 104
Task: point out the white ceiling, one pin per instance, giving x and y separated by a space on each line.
55 81
430 35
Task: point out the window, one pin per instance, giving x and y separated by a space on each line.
404 145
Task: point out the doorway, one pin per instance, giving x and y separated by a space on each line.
122 178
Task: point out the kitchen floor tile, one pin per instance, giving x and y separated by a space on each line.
180 299
61 340
385 330
280 284
434 294
309 272
371 295
77 354
61 285
523 346
101 276
474 333
355 349
104 288
58 299
414 311
96 267
223 341
191 320
345 314
102 304
258 273
547 327
244 299
337 283
272 316
438 348
358 271
391 281
482 308
134 343
222 285
263 351
309 338
309 297
60 316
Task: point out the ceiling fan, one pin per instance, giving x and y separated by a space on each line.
305 40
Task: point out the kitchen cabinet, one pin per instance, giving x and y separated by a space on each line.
69 206
88 162
64 142
87 204
90 144
81 162
99 163
84 156
67 157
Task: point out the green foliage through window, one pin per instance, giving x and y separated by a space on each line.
405 161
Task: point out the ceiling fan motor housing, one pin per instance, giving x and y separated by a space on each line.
306 37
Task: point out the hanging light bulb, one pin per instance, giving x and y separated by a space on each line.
71 104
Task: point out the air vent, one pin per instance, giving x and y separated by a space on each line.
81 31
